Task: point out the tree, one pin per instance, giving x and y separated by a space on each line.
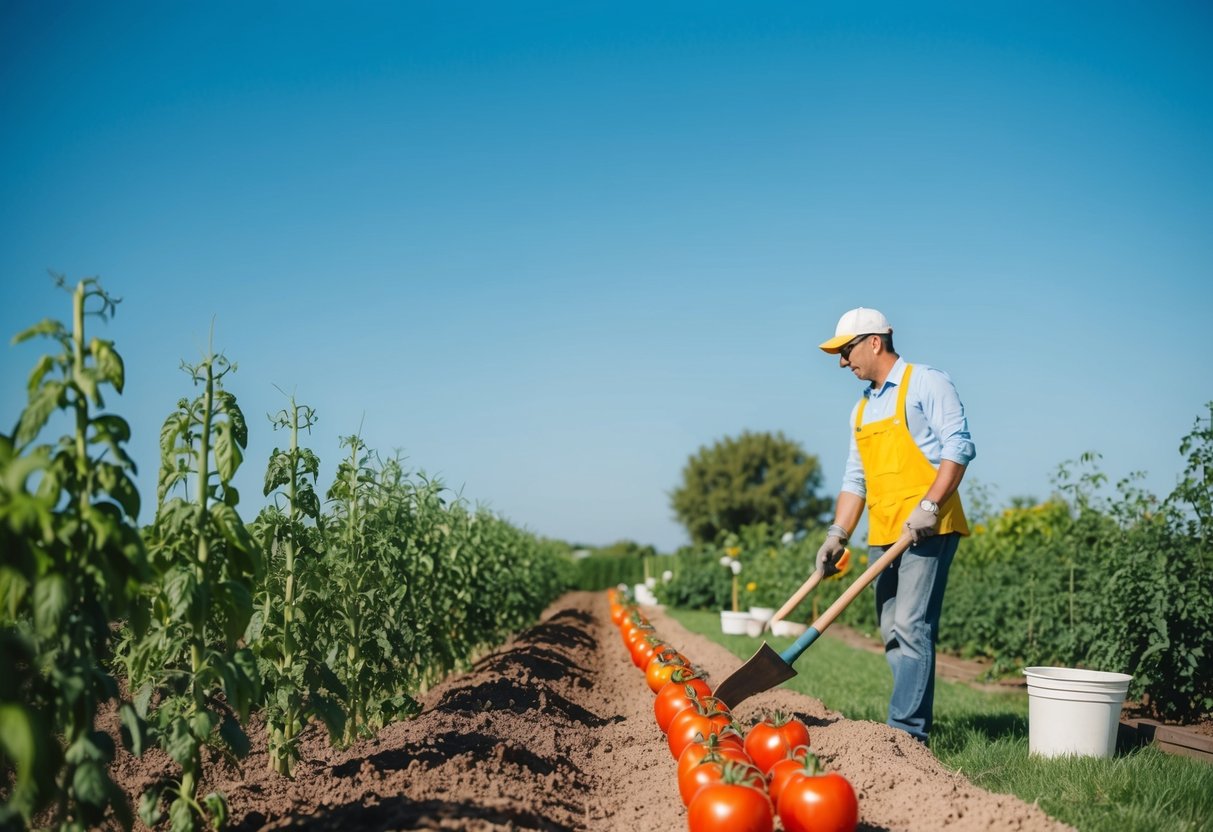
754 478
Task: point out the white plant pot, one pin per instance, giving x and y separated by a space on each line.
733 623
753 627
762 613
788 628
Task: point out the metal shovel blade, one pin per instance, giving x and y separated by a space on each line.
764 670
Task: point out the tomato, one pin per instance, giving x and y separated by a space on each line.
696 719
812 802
773 738
642 651
736 804
659 671
680 692
618 611
718 744
789 766
708 770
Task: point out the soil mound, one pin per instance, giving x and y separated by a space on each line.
555 731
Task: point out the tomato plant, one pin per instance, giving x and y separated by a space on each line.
812 801
73 561
738 803
773 738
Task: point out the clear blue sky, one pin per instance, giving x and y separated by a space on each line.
548 250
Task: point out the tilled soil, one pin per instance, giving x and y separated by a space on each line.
556 731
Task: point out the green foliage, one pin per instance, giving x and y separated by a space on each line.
73 561
756 478
622 562
1119 584
192 661
287 630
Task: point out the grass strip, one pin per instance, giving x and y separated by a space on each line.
984 735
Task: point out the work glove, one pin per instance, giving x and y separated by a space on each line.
832 550
921 525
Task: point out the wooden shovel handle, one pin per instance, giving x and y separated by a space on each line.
891 554
804 590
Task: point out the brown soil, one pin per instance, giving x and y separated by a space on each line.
555 731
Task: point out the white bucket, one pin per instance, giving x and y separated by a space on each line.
787 628
762 613
733 623
1073 711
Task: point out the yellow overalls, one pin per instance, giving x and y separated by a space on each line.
898 474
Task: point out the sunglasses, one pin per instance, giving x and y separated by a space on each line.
845 352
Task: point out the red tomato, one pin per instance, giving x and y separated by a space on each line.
642 651
674 696
773 738
716 744
695 720
731 807
818 803
708 770
659 671
790 766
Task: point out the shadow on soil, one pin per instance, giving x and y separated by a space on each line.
403 813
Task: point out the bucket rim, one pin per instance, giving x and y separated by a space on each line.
1076 674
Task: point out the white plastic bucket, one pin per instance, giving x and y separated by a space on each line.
1073 711
762 614
787 628
733 623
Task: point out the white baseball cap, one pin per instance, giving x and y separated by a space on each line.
857 322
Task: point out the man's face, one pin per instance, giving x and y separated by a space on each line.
859 357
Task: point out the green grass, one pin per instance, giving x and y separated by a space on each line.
985 736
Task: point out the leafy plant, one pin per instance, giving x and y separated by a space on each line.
286 630
191 660
73 561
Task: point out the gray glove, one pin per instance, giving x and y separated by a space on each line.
831 550
922 524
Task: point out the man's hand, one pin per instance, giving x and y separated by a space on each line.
921 525
830 551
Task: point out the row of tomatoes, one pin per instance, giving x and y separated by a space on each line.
730 779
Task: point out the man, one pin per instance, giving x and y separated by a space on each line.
909 448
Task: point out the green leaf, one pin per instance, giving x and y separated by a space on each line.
246 554
42 404
149 806
180 745
46 326
109 363
203 723
234 736
90 783
26 747
181 817
216 805
51 600
228 455
45 364
227 405
134 729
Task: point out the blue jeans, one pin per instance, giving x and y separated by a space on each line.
909 599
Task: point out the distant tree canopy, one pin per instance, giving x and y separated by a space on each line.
620 549
754 478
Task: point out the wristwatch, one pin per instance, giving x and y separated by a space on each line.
928 505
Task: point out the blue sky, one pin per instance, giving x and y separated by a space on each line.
549 250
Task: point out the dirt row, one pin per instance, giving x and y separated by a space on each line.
555 731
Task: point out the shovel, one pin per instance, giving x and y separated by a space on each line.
766 668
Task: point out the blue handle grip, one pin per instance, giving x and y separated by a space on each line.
800 645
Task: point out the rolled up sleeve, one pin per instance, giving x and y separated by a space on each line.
945 414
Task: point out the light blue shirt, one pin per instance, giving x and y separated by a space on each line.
934 415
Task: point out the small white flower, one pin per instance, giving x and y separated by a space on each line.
667 576
736 567
725 560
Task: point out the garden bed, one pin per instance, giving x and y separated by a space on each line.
555 731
